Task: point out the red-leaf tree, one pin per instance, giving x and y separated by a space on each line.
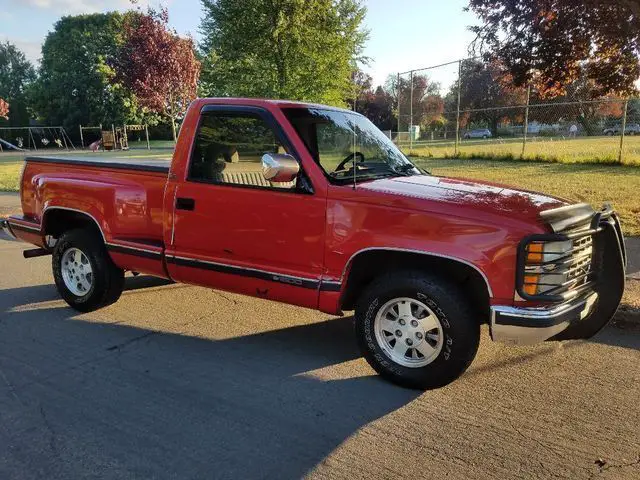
4 109
553 43
159 66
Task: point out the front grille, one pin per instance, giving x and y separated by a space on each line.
581 259
555 274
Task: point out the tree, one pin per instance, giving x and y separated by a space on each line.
378 107
362 87
16 74
159 66
77 82
484 88
552 43
633 111
4 109
577 105
294 49
419 107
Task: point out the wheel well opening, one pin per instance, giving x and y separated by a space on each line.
366 266
58 221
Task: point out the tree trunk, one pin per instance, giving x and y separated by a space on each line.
173 128
170 111
494 126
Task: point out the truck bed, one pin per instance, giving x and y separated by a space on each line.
123 163
125 193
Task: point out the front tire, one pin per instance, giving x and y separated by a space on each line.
416 330
85 276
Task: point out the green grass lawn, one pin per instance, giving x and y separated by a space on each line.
11 162
9 175
565 150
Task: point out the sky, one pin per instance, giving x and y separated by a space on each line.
404 34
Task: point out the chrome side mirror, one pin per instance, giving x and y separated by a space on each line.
279 167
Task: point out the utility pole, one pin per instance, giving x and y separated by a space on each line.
411 115
455 152
526 122
398 95
624 127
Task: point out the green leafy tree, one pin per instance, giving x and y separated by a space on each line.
419 107
16 74
295 49
77 82
633 112
362 85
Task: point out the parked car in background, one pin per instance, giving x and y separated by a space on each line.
478 133
278 200
630 129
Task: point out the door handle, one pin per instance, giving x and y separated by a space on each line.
185 204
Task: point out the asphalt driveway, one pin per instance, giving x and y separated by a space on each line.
175 381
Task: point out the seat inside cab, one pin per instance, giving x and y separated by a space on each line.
234 157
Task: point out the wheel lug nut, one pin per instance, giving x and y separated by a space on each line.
409 342
401 321
398 333
418 335
414 323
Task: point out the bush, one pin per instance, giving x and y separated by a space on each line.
548 132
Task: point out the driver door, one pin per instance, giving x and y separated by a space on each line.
236 231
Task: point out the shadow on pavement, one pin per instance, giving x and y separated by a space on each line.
86 399
80 399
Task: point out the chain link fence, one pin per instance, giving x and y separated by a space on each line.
466 109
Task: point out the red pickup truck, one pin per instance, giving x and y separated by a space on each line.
314 206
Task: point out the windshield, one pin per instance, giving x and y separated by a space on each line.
347 145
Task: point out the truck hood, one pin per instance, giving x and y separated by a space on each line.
484 196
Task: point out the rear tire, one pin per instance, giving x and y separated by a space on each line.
440 332
86 277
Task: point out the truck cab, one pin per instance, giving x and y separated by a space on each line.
313 206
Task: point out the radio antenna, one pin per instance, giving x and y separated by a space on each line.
355 160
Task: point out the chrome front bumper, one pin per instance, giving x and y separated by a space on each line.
4 226
526 326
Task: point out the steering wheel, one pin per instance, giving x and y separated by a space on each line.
349 158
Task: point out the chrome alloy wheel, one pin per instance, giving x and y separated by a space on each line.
76 272
409 332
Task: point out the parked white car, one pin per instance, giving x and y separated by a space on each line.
478 133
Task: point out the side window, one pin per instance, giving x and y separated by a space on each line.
229 147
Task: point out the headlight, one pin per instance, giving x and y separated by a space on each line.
548 265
